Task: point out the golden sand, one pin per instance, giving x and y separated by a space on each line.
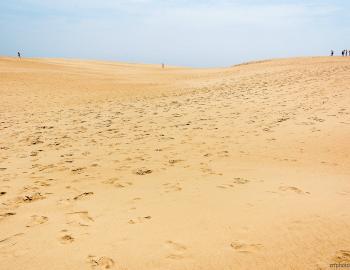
121 166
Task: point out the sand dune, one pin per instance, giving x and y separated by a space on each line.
121 166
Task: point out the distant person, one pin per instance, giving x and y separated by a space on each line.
346 52
342 53
332 52
163 66
19 55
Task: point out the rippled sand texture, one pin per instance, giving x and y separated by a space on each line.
120 166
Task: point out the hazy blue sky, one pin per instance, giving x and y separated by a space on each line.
177 32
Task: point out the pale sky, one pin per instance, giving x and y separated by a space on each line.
187 33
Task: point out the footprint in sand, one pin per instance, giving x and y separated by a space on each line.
83 195
81 218
142 171
78 170
223 154
139 220
174 161
42 183
8 214
177 250
117 183
243 247
100 263
226 186
32 198
37 220
292 189
240 181
10 240
236 181
170 187
67 239
133 202
342 256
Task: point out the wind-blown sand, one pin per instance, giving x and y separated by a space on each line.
121 166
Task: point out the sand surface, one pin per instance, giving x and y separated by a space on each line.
120 166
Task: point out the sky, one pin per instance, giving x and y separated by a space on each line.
193 33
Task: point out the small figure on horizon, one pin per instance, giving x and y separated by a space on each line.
19 55
163 66
342 53
346 52
332 52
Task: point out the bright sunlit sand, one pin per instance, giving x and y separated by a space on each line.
108 165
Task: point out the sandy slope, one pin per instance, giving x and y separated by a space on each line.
118 166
